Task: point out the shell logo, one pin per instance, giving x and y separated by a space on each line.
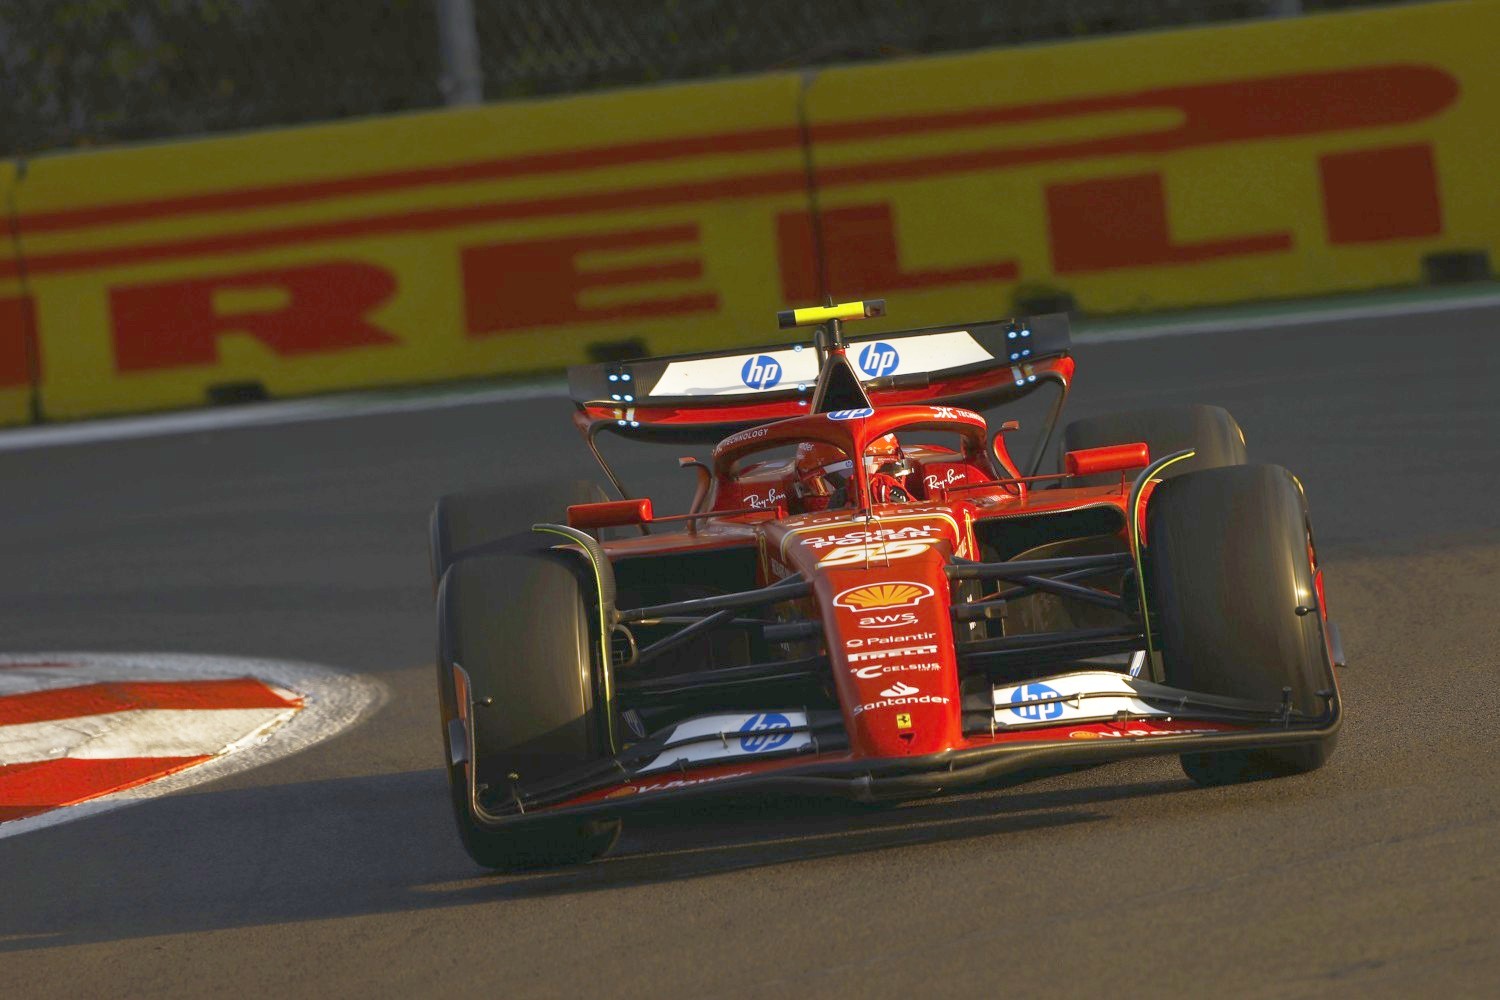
877 596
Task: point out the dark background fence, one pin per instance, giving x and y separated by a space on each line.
89 72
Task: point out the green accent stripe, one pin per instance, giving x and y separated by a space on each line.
1135 543
609 693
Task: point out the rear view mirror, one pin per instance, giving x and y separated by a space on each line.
609 513
1110 458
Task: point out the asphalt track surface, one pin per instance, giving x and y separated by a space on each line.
337 871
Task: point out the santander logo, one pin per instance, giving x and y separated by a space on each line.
899 690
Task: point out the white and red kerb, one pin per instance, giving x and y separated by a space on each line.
67 737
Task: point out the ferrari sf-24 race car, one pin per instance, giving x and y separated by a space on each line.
869 597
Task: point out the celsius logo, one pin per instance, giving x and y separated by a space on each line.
873 672
765 731
761 372
899 690
863 411
878 359
1023 703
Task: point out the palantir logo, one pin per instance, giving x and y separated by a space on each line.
878 359
761 372
765 731
1025 700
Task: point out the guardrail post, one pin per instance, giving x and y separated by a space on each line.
462 81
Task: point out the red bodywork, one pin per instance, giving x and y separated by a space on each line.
878 578
887 594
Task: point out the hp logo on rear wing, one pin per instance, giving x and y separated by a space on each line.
878 359
761 372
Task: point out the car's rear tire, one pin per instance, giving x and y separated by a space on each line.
524 630
461 521
1228 566
1210 430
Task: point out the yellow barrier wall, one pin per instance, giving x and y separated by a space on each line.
411 248
1281 158
1269 159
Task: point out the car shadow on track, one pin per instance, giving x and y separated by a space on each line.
717 837
253 856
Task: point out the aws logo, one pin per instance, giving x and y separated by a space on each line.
894 620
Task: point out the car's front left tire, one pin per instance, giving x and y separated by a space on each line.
463 521
524 631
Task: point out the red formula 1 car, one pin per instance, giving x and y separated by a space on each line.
868 598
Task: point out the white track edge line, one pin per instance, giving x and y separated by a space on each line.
288 411
1306 317
334 700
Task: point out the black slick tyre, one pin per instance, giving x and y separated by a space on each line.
1210 430
462 521
1228 565
523 629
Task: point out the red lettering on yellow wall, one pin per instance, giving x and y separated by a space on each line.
17 340
861 257
1207 114
537 283
1113 222
319 308
1219 113
1390 193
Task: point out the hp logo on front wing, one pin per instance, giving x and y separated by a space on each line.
1023 703
765 731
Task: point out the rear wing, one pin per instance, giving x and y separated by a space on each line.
702 397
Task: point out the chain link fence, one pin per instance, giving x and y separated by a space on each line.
89 72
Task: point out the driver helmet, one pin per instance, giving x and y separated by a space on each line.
888 467
884 456
823 472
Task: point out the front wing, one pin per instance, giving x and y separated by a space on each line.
1082 718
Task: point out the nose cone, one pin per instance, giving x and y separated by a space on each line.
885 607
891 649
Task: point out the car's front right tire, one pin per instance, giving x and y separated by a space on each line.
1232 590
